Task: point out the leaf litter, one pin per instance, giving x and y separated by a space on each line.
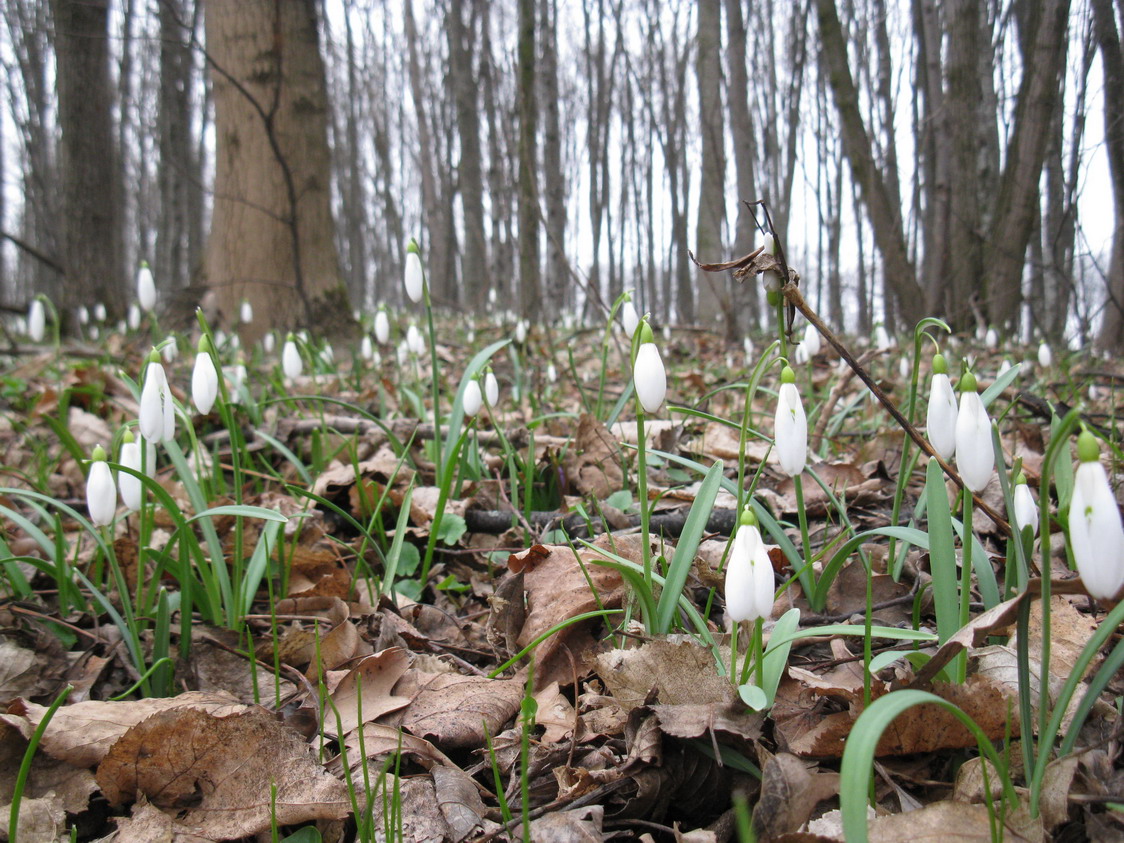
628 735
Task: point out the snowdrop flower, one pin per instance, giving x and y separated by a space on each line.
1096 534
403 353
520 332
1004 367
268 342
551 373
101 494
83 315
811 340
882 339
630 319
415 278
99 312
491 388
157 413
382 327
974 455
747 347
171 349
648 374
235 342
903 366
940 420
328 354
366 350
130 486
36 320
992 338
790 426
800 357
246 312
146 288
1026 510
133 318
749 573
473 398
1045 355
204 378
291 363
414 342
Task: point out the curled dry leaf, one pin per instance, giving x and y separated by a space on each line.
581 825
593 463
454 709
61 787
219 771
939 822
81 734
459 801
364 694
422 820
678 667
789 794
558 589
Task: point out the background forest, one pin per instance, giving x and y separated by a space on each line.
919 157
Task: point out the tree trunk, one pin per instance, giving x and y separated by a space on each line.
1111 335
746 298
1016 202
554 183
883 207
474 265
91 193
530 286
272 234
713 303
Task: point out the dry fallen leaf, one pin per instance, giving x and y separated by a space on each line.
454 709
789 794
364 694
81 734
678 667
218 771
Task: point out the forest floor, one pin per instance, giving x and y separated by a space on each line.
449 636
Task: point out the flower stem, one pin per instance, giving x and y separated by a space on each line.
807 578
965 582
642 493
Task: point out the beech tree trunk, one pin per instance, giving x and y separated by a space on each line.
1111 335
713 306
530 285
92 239
272 233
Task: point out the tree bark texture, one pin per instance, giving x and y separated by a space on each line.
272 233
530 284
1111 336
92 236
713 305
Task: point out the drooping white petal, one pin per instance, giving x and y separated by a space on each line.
246 312
36 320
473 398
129 485
790 431
940 419
146 288
1026 510
629 318
101 495
204 382
152 403
812 340
366 349
133 318
291 363
382 327
1045 356
975 458
491 389
749 577
650 378
1096 534
415 281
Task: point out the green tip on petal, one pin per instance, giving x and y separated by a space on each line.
773 297
787 375
128 437
1020 480
290 337
154 356
204 346
646 334
413 246
747 518
967 383
98 454
940 366
144 264
1087 448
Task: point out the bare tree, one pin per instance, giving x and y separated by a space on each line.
530 285
88 173
713 305
272 237
1111 336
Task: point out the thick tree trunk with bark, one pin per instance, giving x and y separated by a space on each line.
530 286
554 183
713 300
1111 336
272 234
88 173
474 264
741 129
